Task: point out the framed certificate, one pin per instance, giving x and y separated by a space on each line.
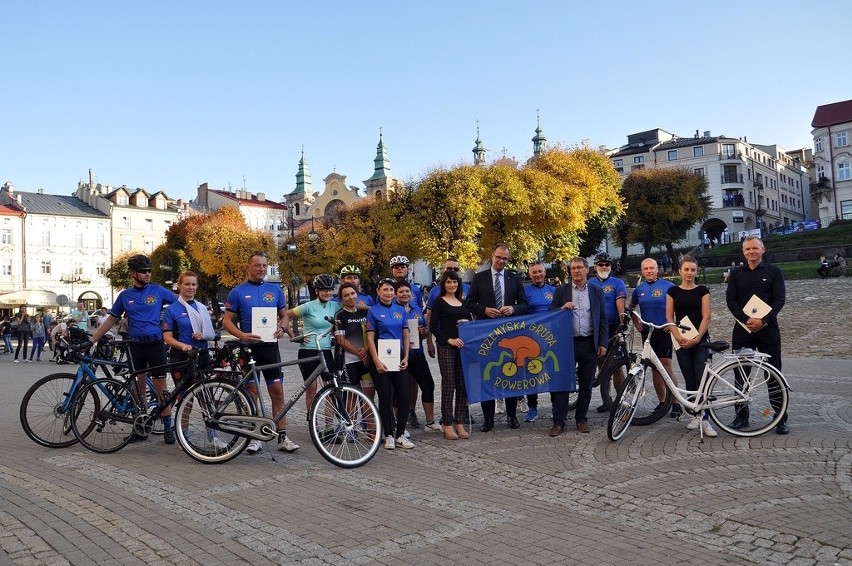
389 353
264 323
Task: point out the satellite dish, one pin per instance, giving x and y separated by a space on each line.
61 300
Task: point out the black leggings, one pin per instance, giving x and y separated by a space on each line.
384 383
418 368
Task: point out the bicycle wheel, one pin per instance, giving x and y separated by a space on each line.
756 395
344 425
46 411
625 404
105 410
649 408
605 379
195 408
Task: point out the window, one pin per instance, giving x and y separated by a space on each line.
7 232
125 222
846 209
101 241
78 239
161 203
126 243
45 238
639 159
699 171
729 150
844 171
149 246
672 154
820 172
7 269
698 151
100 269
122 200
617 163
45 268
842 140
149 224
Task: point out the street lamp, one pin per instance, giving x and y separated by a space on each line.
312 235
294 278
72 279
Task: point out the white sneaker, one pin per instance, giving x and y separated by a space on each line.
708 430
285 444
254 446
405 434
403 442
500 407
694 423
432 427
389 443
522 405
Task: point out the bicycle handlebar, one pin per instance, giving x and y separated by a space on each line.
633 313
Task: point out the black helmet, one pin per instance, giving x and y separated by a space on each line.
137 262
603 256
324 281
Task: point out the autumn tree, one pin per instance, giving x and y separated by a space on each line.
118 274
663 204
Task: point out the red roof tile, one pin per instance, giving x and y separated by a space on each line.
831 114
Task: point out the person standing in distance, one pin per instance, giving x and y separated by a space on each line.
539 297
143 303
256 292
765 281
496 293
586 302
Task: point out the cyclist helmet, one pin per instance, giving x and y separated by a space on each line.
324 281
603 256
350 270
399 260
137 262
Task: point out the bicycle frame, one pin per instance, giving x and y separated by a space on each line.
701 396
262 427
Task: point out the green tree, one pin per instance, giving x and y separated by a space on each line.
663 205
117 274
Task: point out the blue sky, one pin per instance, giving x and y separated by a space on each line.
165 95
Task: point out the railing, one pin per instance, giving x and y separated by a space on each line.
732 178
733 201
730 155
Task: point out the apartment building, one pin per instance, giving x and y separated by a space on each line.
831 187
751 186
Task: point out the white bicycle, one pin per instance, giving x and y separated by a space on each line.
743 388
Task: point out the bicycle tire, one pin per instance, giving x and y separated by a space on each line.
624 408
45 411
604 379
106 412
649 408
200 442
767 397
344 425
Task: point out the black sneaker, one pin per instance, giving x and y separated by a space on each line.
413 421
677 411
169 436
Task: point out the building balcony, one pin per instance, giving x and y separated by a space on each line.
731 156
732 178
735 200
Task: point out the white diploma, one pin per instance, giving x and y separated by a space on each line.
264 323
413 333
755 308
688 334
389 350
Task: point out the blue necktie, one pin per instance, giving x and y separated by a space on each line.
498 291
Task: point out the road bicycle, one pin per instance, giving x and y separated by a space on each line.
619 357
343 422
743 388
108 413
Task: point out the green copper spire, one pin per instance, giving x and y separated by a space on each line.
539 141
382 163
303 177
478 149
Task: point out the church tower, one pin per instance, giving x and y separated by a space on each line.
382 182
302 196
479 151
539 141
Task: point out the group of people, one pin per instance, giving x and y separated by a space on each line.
386 339
837 266
42 329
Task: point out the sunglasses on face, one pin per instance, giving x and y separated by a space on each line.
143 271
604 264
453 269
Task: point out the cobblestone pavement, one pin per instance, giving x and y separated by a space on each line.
515 497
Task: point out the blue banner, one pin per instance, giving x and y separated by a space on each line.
508 357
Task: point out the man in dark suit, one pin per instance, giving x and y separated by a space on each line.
495 293
586 302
